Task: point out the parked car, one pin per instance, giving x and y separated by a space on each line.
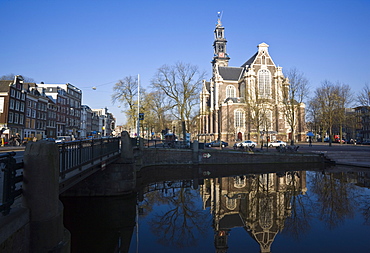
276 144
247 143
61 139
216 144
49 139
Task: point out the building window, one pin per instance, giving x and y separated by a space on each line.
28 123
239 118
17 105
21 119
12 93
11 104
10 120
230 91
22 107
264 83
16 118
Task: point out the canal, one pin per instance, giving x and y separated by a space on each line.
290 209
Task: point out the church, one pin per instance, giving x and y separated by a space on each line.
247 102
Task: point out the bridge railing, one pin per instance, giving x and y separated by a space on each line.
72 156
11 181
76 154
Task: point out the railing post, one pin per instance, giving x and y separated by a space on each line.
62 158
127 152
41 196
80 153
8 187
92 150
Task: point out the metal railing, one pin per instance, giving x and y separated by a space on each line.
11 181
76 154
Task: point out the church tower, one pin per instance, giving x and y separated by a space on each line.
219 45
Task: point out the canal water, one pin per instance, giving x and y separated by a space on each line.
281 211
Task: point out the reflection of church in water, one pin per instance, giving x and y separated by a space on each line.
258 203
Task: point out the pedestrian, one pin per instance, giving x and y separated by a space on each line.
310 141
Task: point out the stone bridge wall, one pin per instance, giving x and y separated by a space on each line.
152 156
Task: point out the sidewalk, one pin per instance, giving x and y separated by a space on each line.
342 154
12 148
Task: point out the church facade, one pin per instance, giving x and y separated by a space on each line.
247 102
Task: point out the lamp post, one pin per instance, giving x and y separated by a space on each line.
138 108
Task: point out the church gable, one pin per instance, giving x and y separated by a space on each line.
263 57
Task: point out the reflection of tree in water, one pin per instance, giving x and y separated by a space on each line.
365 209
298 211
176 225
363 203
335 196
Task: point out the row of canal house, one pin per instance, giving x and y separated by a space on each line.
48 111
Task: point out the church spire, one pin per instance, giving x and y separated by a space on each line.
219 45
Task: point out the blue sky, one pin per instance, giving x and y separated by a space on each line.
94 43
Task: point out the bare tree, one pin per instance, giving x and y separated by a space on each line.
125 92
181 83
316 117
11 77
331 100
293 95
257 111
364 96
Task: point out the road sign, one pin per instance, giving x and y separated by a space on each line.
141 116
206 155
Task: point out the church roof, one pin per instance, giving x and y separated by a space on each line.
230 73
231 221
250 61
206 87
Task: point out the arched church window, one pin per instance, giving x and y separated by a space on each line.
264 83
242 89
230 91
239 181
239 118
230 203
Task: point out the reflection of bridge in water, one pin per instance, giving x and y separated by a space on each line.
168 186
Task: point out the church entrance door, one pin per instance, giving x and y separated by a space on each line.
240 136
